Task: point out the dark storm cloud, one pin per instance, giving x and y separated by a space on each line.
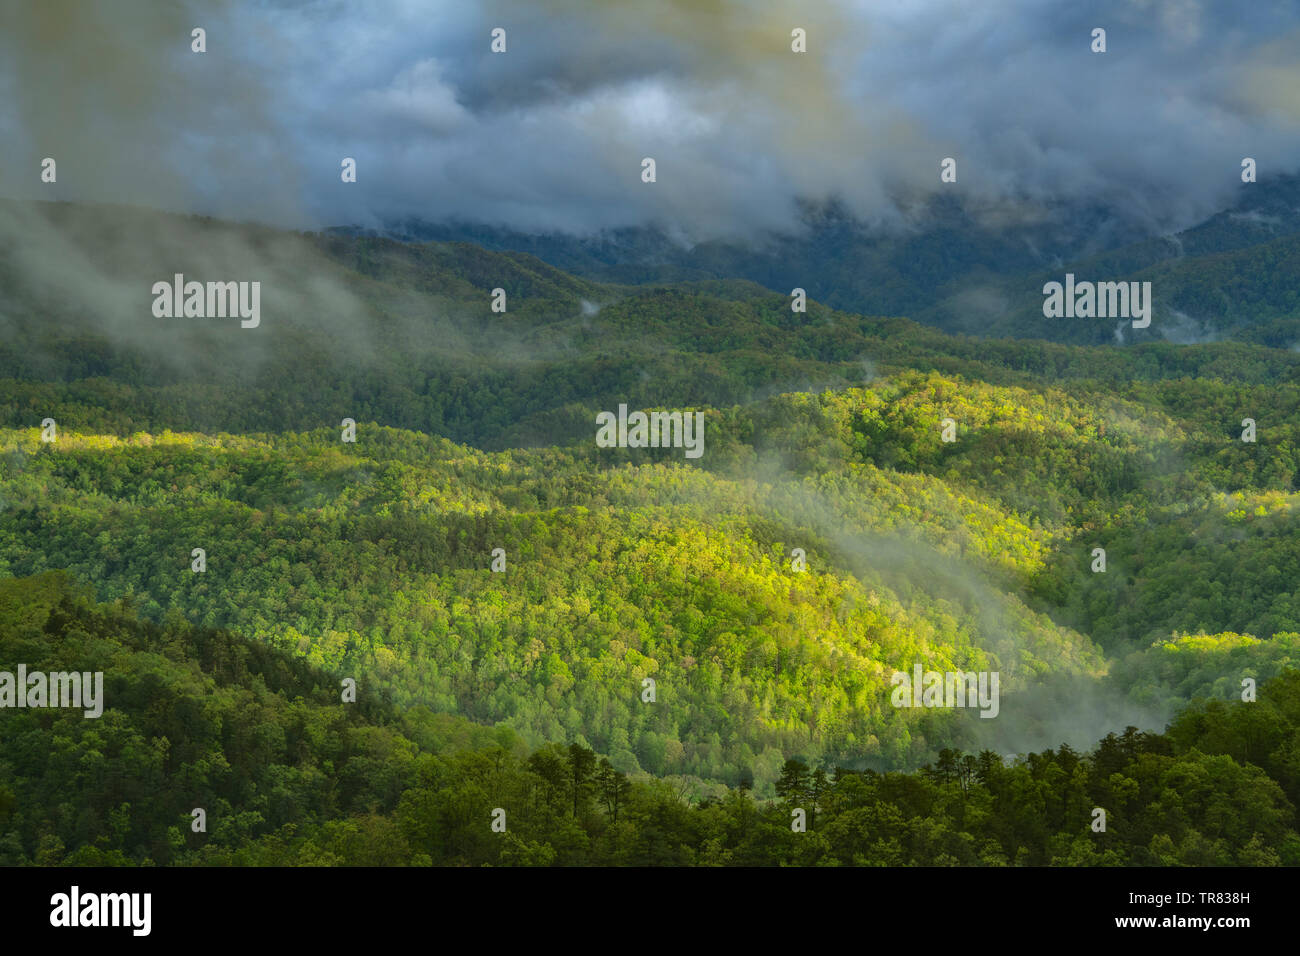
113 93
550 135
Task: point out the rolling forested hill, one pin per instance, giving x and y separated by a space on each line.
287 775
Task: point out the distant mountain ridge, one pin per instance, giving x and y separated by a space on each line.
962 268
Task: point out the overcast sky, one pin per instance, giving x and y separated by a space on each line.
550 135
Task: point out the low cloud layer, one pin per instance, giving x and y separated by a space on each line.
550 135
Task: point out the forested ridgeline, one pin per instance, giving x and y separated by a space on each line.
287 774
405 334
